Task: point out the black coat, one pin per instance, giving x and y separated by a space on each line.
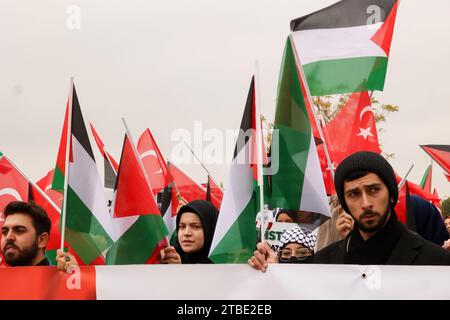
410 249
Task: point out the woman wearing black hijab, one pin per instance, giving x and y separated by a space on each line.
196 222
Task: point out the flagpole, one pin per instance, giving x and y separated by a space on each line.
41 192
141 165
66 162
259 159
431 174
400 185
173 182
204 167
176 188
311 102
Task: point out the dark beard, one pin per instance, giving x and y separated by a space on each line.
376 227
25 256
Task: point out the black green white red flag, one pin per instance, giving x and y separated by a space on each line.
142 231
89 228
235 235
296 180
345 47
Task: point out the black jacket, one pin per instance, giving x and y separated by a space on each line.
410 249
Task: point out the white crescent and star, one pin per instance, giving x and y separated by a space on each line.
365 133
150 153
12 192
333 165
9 192
363 111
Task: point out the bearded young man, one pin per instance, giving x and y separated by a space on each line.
367 190
25 234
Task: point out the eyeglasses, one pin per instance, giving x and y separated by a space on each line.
300 253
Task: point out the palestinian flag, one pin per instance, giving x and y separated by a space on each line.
426 180
89 228
440 154
296 180
235 235
110 165
345 47
143 232
52 205
169 206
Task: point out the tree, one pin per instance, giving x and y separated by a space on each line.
330 106
445 207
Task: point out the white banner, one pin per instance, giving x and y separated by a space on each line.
280 282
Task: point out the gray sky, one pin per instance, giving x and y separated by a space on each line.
166 64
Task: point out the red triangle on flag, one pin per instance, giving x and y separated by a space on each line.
133 194
440 154
383 37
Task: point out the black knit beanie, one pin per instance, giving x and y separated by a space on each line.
370 162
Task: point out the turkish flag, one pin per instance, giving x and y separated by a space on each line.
352 130
153 161
13 187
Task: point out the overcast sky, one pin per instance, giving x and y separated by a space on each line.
166 64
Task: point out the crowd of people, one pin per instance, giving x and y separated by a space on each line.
363 229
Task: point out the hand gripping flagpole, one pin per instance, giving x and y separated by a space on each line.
311 102
66 163
141 165
259 150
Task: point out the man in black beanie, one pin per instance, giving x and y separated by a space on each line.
367 189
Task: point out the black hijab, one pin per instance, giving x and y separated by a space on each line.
208 215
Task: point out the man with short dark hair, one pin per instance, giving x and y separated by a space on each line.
25 233
367 189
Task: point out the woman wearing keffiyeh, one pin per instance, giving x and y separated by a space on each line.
297 246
